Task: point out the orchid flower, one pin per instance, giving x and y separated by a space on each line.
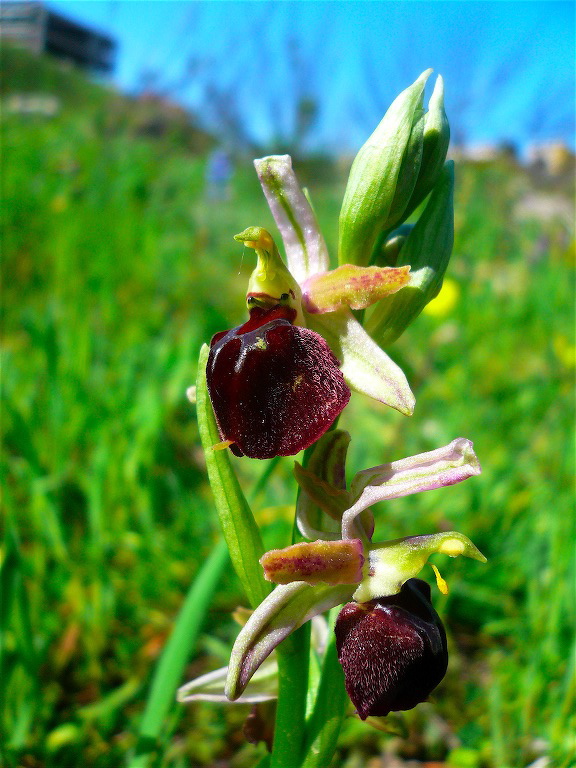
316 576
328 296
278 381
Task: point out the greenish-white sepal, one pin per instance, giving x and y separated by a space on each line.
365 367
304 244
283 611
391 563
210 687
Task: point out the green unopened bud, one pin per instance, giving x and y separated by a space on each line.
427 249
388 253
383 176
409 172
434 147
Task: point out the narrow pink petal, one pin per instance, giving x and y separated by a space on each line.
351 286
425 472
316 562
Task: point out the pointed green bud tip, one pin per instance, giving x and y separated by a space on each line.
270 283
383 176
389 251
436 103
435 143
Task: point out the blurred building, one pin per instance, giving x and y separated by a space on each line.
553 158
36 27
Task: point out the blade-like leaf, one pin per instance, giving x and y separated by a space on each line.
178 649
236 518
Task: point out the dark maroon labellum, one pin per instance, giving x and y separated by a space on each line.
392 650
275 387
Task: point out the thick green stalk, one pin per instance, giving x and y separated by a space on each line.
293 669
325 722
240 529
289 732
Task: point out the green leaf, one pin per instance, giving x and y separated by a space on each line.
168 674
240 530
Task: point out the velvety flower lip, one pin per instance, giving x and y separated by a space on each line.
275 387
393 650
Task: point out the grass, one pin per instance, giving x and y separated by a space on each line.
116 269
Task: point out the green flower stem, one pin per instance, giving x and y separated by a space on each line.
293 679
325 722
240 529
289 732
262 481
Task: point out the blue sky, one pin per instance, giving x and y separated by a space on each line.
508 66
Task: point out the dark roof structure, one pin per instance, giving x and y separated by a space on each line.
36 27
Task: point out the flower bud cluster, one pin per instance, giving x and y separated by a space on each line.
398 167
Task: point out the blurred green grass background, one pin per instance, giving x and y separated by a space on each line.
116 269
